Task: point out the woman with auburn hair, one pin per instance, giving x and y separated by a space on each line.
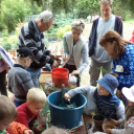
122 52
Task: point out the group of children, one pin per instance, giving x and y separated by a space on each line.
29 100
16 120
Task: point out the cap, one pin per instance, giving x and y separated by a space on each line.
25 51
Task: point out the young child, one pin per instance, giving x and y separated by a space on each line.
129 126
36 100
54 130
19 80
102 98
8 113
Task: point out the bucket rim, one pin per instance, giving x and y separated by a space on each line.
67 71
62 108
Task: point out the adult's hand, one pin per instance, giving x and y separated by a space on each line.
114 122
55 64
75 72
64 57
108 131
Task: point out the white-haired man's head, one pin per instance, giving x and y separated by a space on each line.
46 16
44 20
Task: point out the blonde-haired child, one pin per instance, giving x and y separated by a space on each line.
36 99
54 130
129 121
8 113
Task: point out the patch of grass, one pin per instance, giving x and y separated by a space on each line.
128 21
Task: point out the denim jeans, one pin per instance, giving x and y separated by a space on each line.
35 75
3 90
18 103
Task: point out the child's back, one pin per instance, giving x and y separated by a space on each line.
19 80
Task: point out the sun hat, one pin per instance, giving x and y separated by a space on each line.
128 93
109 82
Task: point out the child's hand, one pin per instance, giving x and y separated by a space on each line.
75 72
108 131
67 96
114 122
28 132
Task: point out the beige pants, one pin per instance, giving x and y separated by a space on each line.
95 69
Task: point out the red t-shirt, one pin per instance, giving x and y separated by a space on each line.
24 115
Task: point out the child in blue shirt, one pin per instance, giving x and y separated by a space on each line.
102 98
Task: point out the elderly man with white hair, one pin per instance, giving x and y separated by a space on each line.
75 54
31 35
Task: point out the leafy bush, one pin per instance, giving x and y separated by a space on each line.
61 31
7 46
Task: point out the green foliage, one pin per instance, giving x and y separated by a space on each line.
48 89
102 69
61 31
7 46
13 10
86 7
128 3
9 42
45 113
63 5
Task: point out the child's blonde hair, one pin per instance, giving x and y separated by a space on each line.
54 130
106 2
7 109
36 95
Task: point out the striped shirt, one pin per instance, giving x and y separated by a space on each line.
107 105
31 37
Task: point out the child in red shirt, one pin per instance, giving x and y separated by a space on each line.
36 100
